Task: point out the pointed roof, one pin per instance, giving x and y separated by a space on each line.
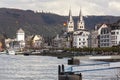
80 16
70 16
57 37
20 31
36 37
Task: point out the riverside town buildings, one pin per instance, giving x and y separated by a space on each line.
115 34
20 42
80 36
72 37
104 35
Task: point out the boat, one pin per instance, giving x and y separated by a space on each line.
59 57
3 52
10 52
26 54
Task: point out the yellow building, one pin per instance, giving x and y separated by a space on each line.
37 41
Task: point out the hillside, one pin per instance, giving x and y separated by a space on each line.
46 24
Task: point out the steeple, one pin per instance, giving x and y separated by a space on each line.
80 16
70 23
80 24
70 16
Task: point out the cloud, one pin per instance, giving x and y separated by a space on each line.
115 5
89 7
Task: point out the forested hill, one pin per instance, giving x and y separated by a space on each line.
46 24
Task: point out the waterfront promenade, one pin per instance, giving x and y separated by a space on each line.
107 57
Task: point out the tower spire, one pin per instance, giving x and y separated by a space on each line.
70 16
70 22
80 24
80 15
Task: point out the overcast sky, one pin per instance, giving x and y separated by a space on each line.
61 7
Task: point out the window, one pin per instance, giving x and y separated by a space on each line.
104 40
101 40
79 39
101 44
112 33
117 32
70 26
105 36
101 32
83 43
104 44
79 43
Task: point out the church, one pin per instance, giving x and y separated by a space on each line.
81 35
73 36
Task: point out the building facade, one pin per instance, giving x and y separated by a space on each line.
81 35
80 39
108 35
21 38
37 41
115 34
93 39
61 42
20 35
105 36
101 36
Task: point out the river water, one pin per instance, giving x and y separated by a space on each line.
19 67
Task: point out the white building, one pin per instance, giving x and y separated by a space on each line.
80 39
20 35
37 41
105 36
21 38
115 34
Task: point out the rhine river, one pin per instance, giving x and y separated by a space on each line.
19 67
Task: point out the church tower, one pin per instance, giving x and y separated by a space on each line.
70 23
20 35
80 23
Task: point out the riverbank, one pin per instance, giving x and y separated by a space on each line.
71 55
